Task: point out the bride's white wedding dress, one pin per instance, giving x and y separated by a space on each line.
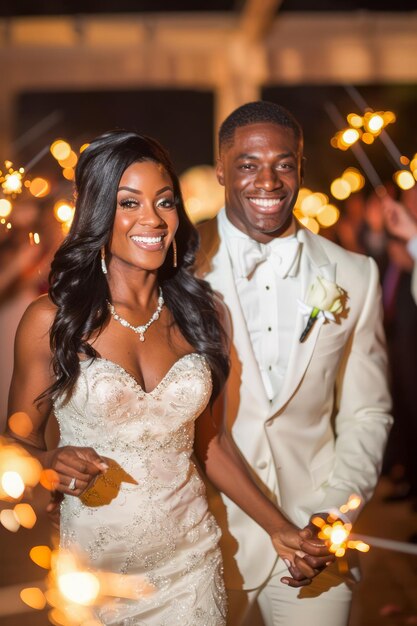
147 516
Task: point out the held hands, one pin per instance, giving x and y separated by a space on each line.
76 469
302 551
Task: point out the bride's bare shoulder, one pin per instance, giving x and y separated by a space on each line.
37 320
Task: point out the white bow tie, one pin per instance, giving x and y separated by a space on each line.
247 254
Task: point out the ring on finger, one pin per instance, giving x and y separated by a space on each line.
72 484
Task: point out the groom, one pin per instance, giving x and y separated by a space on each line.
310 417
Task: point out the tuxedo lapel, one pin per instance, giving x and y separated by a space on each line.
314 262
222 279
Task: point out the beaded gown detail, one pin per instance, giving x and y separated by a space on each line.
147 516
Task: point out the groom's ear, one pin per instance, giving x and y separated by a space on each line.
220 171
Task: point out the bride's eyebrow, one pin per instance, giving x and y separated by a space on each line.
138 191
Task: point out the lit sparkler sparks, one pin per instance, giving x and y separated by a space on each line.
11 180
72 589
18 470
336 532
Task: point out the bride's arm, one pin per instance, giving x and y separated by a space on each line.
229 473
32 375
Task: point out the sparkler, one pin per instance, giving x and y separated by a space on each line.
338 534
392 149
388 544
358 153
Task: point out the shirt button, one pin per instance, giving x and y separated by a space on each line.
261 464
269 328
267 287
270 367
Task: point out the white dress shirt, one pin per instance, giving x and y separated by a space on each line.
268 296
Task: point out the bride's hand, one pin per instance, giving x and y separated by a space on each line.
303 564
76 468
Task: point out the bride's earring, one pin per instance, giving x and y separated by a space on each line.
103 261
174 253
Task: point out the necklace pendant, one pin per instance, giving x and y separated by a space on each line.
139 330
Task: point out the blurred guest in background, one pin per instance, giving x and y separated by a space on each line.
400 298
401 223
24 267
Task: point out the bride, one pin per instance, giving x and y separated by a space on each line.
128 351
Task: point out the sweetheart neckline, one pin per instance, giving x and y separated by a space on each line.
133 379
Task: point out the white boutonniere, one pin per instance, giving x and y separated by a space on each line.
324 299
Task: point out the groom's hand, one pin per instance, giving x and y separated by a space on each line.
317 552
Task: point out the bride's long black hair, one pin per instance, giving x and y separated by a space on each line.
79 288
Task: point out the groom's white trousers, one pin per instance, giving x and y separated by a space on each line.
326 602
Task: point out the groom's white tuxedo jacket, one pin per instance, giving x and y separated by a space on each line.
322 438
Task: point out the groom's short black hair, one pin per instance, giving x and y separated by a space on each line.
257 112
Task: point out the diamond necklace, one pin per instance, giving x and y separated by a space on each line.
139 330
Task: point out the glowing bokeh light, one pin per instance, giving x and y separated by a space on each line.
327 215
312 203
303 193
9 520
25 515
34 239
12 484
338 534
60 149
350 136
404 179
203 194
354 178
58 618
41 555
356 121
63 211
12 183
389 117
70 161
5 207
39 187
340 189
20 424
368 138
84 147
79 587
68 173
310 223
375 123
33 597
49 479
